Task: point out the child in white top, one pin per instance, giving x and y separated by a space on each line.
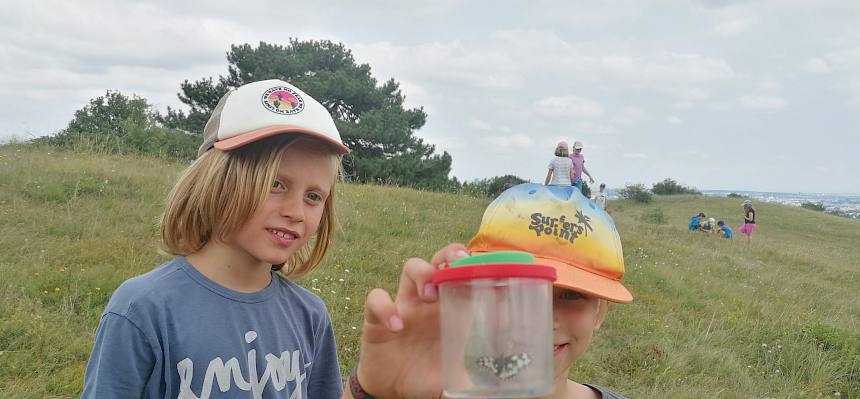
559 167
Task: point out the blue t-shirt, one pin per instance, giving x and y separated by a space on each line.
173 333
727 231
694 223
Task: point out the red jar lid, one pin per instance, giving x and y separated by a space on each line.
493 271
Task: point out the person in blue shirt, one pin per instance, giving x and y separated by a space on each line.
725 231
224 318
696 222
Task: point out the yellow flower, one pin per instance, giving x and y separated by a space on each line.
56 289
98 289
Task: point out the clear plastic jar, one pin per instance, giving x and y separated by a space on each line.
496 321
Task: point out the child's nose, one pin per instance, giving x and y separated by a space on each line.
291 207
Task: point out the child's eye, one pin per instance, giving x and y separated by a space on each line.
277 185
570 295
315 197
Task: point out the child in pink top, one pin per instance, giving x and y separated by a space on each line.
578 166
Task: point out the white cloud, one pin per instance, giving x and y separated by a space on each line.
816 65
674 120
734 20
844 59
447 143
513 141
770 83
509 60
630 116
569 106
580 128
478 124
762 102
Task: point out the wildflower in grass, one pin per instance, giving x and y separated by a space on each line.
56 289
340 279
45 291
347 298
98 289
62 270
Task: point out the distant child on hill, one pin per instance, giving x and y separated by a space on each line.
600 197
696 222
578 166
749 220
559 167
725 231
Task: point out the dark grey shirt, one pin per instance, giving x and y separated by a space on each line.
605 393
173 333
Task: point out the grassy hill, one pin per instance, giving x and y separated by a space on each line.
777 318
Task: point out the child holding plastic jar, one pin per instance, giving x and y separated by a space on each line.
560 230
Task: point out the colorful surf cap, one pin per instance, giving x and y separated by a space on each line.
266 108
562 229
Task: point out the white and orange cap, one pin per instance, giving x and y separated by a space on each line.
266 108
577 145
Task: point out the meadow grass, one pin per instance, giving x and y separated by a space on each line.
712 318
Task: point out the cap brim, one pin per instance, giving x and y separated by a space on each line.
580 280
584 281
269 131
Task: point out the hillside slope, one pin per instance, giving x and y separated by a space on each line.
711 318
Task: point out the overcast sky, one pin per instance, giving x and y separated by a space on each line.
745 95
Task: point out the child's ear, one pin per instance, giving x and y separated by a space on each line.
602 308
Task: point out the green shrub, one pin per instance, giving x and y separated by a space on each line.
815 206
489 187
636 192
671 187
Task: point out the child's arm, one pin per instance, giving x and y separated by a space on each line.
548 175
400 342
122 360
585 170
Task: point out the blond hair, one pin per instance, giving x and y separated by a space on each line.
221 190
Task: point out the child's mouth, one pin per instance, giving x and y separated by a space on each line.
558 348
282 237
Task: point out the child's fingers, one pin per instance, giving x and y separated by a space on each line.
416 282
379 310
449 253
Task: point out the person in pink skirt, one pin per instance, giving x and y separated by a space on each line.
749 220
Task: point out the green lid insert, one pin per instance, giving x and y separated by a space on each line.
494 258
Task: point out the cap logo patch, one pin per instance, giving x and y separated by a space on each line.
283 100
561 227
